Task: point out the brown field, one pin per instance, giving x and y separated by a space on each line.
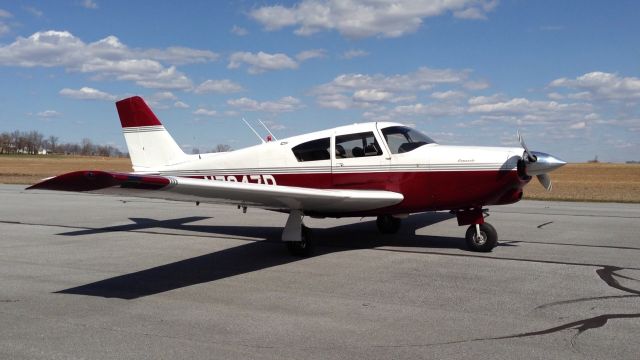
573 182
590 182
29 169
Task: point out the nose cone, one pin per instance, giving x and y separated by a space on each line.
545 163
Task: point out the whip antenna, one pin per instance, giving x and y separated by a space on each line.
254 131
266 128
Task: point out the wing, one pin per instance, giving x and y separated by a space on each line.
274 197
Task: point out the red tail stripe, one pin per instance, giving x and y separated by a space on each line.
134 112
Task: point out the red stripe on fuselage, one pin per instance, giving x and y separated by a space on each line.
423 191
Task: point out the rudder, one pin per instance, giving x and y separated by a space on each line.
150 144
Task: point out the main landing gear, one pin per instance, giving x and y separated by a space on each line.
297 236
480 236
388 224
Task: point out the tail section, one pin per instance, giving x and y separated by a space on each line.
150 145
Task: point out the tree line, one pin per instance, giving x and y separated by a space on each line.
34 142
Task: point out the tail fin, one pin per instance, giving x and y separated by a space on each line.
150 145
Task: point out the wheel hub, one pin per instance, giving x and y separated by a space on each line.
480 238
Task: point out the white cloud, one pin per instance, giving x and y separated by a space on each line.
311 54
89 4
87 93
524 111
166 79
159 100
476 85
372 95
516 105
601 85
105 58
4 28
436 109
479 100
47 114
240 31
164 95
205 112
448 95
224 86
285 104
180 105
178 55
261 62
354 53
360 90
578 126
476 11
364 18
555 96
34 11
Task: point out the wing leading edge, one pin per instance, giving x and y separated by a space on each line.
275 197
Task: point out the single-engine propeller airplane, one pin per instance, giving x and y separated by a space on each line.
380 169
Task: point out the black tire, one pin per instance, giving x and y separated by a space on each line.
304 247
488 241
388 224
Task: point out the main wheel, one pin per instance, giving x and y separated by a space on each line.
487 240
305 246
388 224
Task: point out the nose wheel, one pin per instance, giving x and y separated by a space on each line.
481 237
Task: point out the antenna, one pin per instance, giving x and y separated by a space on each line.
266 128
254 131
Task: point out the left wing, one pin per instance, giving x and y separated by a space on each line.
274 197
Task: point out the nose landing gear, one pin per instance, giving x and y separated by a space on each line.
480 236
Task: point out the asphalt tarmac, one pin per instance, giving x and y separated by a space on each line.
97 277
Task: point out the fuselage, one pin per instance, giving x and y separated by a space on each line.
371 156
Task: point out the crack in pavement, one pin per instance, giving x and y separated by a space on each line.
607 273
547 223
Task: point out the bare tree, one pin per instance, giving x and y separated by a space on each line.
5 143
53 141
86 147
222 148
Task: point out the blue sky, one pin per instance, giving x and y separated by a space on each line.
566 73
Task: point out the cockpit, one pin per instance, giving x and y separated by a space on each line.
358 143
401 139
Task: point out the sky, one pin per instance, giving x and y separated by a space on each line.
465 72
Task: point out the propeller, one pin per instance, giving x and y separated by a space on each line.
539 164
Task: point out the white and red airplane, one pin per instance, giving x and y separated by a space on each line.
378 169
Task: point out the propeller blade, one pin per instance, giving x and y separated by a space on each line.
530 156
545 180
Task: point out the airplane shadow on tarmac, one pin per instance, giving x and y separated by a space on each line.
249 257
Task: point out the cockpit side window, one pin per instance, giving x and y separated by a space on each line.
313 150
404 139
357 145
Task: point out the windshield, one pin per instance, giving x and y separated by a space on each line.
403 139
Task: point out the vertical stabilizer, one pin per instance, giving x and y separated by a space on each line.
150 145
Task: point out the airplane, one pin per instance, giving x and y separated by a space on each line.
376 169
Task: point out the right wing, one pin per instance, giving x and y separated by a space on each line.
275 197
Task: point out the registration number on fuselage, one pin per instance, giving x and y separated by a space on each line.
254 179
